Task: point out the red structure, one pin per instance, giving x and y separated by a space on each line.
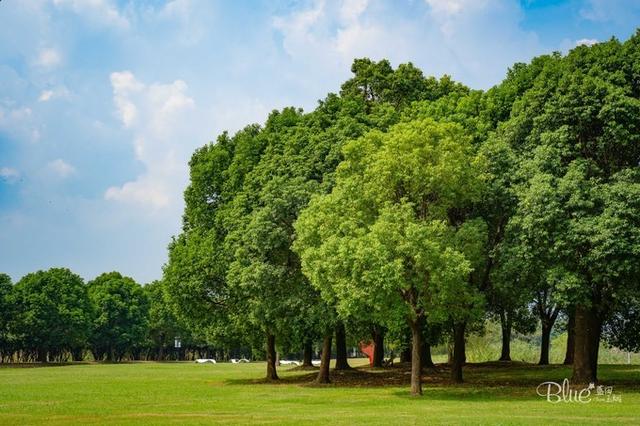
368 349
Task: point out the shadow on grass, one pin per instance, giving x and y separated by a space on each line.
501 380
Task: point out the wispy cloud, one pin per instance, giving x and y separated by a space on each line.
19 123
48 58
55 93
9 174
103 13
61 168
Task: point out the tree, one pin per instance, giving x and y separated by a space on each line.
163 326
383 237
52 314
195 275
528 263
509 303
264 272
577 133
622 330
6 312
120 309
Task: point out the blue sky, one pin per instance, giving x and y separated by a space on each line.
103 101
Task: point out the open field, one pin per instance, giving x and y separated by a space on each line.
187 393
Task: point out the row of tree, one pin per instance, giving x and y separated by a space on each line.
53 316
416 207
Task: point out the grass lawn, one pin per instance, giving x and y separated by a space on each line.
188 393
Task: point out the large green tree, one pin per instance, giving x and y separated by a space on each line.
387 236
575 226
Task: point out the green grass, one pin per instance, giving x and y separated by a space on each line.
187 393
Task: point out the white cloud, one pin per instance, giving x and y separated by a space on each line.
586 42
61 168
297 27
9 174
124 84
455 7
145 190
48 58
180 22
449 13
49 94
102 13
352 9
19 122
160 117
450 37
45 95
325 38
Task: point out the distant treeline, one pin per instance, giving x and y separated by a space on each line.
54 316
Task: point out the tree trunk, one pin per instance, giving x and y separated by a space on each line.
595 344
568 357
505 323
378 347
585 336
341 348
416 358
272 374
307 354
458 352
427 362
544 345
325 360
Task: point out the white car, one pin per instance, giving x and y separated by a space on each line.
238 360
289 362
206 360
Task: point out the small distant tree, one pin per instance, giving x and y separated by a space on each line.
120 310
52 314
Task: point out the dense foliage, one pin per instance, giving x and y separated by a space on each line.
406 202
